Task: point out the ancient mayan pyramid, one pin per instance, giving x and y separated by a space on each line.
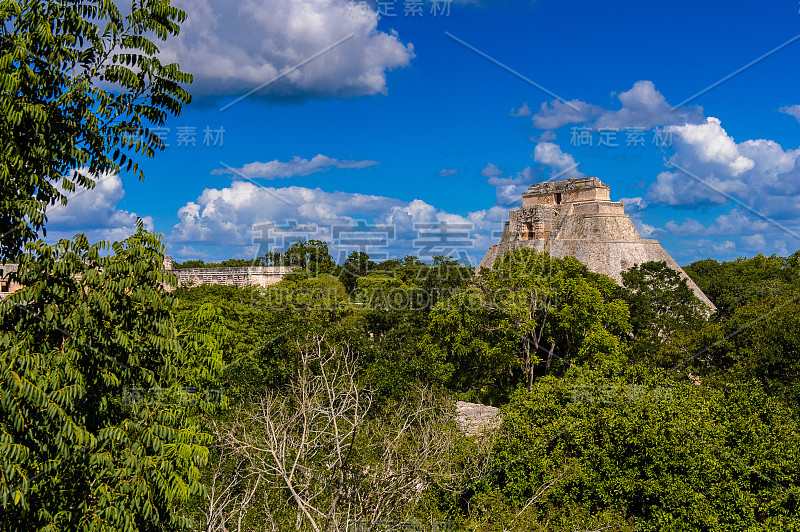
577 218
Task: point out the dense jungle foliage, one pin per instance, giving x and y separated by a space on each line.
328 401
622 407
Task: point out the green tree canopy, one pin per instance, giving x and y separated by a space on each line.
559 311
357 264
312 256
643 453
734 283
664 312
477 350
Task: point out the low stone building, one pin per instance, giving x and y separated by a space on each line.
576 218
243 276
232 276
7 286
236 276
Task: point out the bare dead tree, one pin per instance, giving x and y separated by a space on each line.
314 457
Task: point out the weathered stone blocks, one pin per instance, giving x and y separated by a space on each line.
576 218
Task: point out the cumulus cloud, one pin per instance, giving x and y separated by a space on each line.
791 110
689 227
491 171
709 143
446 172
707 166
640 107
297 166
754 242
234 47
94 212
561 163
754 178
725 248
645 230
549 157
228 214
557 114
508 190
759 173
522 111
546 136
223 219
734 223
634 204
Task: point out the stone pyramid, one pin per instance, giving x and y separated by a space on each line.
577 218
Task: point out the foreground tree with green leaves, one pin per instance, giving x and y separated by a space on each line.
81 87
101 392
95 429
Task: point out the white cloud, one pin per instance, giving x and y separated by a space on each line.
758 172
754 242
522 111
546 136
297 166
634 204
645 230
446 172
711 144
725 247
227 215
791 110
234 47
550 154
94 212
491 171
734 223
222 220
557 114
508 190
640 107
690 227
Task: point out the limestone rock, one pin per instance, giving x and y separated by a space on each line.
474 418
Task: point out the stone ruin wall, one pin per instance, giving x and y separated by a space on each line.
242 276
228 276
7 286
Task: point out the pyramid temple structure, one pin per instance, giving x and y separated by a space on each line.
577 218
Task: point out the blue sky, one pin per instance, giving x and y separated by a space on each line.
405 128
